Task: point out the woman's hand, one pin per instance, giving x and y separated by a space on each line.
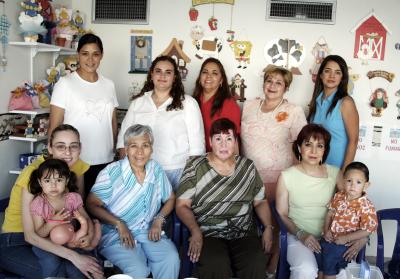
155 230
125 235
311 242
267 239
195 245
354 247
87 265
328 236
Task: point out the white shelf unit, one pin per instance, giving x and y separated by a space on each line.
31 140
35 48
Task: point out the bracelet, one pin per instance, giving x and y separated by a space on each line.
299 233
161 217
118 223
269 226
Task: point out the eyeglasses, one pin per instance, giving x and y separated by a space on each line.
74 147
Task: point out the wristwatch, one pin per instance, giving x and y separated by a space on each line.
299 233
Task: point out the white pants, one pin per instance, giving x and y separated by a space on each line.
302 261
303 264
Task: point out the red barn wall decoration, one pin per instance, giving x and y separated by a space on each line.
370 38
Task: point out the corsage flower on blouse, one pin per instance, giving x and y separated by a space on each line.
281 116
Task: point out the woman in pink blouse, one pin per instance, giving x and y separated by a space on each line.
269 127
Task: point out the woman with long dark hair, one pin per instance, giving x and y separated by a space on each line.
332 107
174 117
214 97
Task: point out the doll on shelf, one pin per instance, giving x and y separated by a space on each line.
29 129
42 130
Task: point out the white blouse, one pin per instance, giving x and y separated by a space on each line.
178 134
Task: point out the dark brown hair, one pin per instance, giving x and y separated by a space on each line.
177 91
357 166
48 168
223 125
319 86
223 91
90 39
312 131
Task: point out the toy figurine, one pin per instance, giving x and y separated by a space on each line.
29 129
378 101
42 130
237 88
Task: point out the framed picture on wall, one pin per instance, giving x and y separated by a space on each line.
140 54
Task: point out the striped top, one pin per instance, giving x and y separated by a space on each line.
222 205
134 203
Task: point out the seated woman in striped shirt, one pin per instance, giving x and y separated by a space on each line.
217 197
132 198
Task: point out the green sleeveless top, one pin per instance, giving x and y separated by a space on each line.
308 197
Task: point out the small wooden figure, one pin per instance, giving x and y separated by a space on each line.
238 87
29 129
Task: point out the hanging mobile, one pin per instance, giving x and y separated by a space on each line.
4 27
230 32
212 21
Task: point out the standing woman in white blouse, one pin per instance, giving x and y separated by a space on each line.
174 117
87 100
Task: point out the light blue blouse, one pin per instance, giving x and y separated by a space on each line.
335 126
116 186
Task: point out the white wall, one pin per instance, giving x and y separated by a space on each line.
169 19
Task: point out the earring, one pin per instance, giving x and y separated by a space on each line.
299 157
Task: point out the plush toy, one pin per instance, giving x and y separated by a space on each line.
29 129
31 92
71 64
41 88
54 74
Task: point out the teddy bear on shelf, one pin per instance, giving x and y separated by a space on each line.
29 129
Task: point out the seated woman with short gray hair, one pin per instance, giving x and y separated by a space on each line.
132 198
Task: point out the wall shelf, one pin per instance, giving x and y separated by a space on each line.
36 48
22 138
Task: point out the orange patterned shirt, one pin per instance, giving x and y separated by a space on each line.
352 215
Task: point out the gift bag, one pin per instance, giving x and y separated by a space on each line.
20 100
30 91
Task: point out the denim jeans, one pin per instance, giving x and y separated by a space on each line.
16 256
54 266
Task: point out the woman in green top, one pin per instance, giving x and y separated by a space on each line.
303 192
18 234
